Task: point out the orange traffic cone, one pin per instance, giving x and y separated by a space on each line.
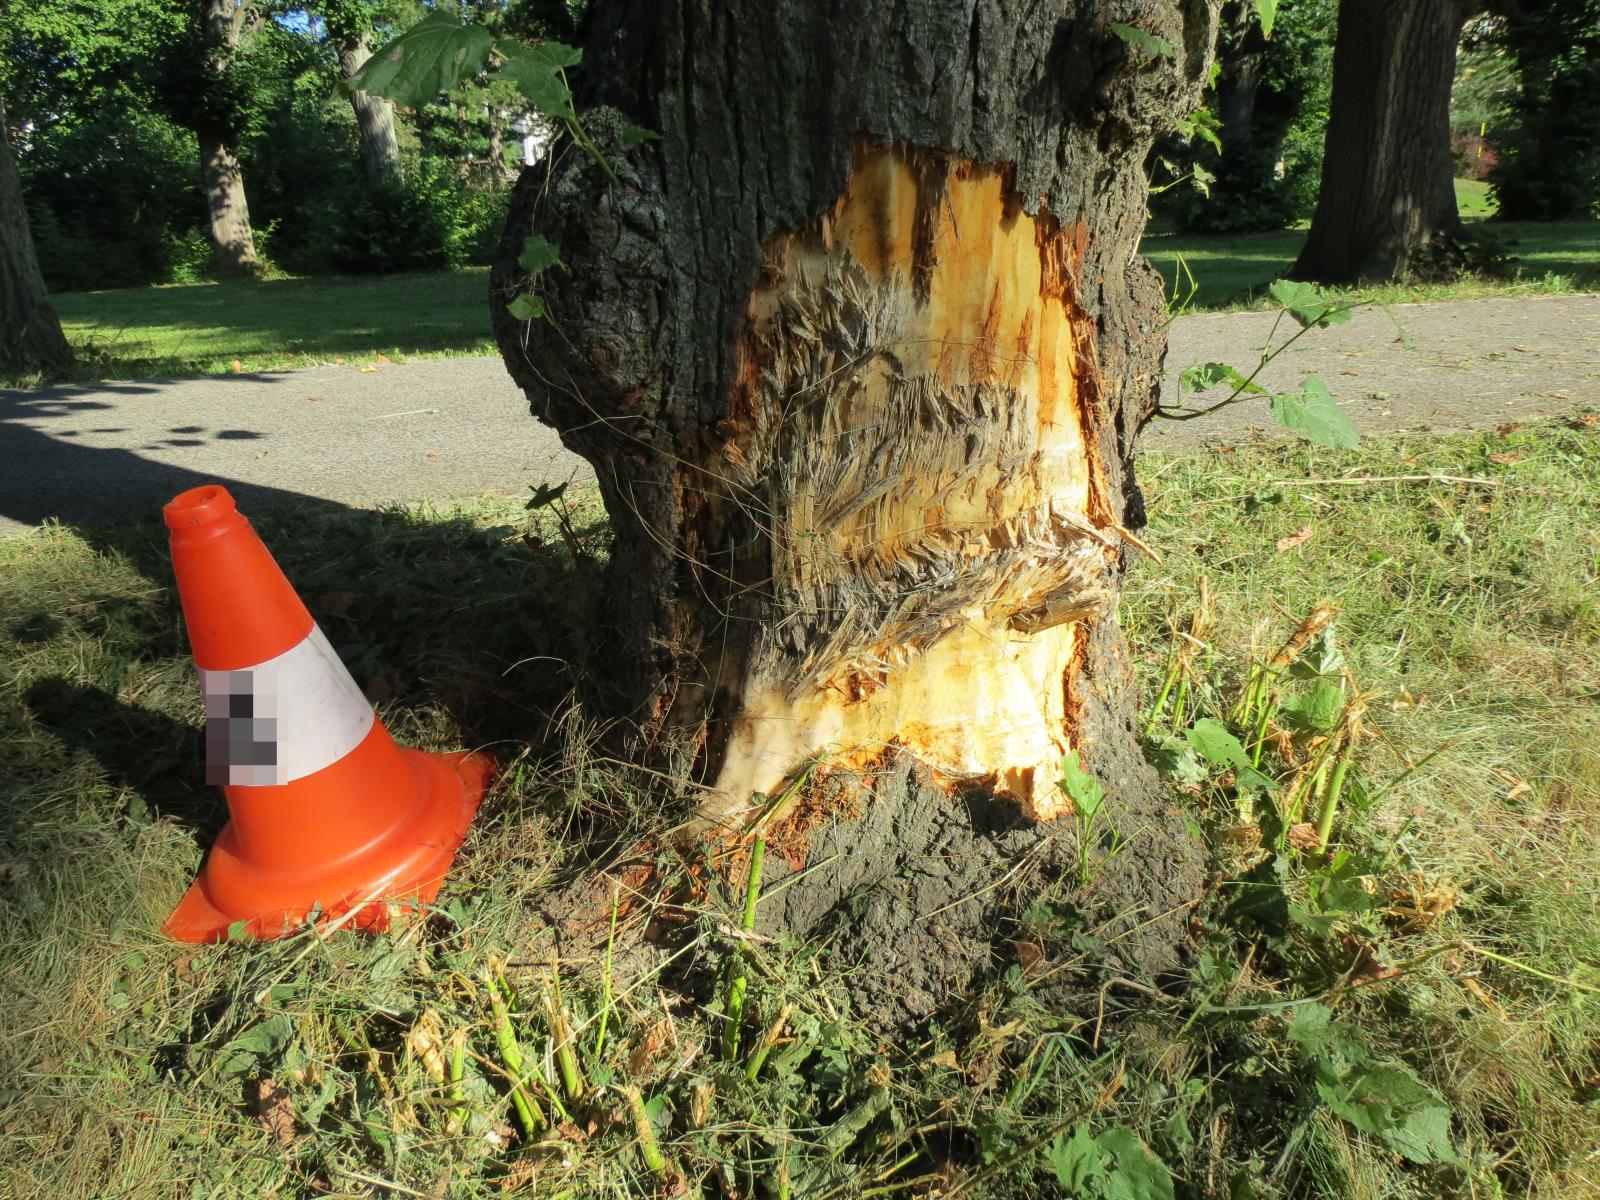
327 814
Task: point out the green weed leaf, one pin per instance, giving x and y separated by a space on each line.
632 135
1267 14
1313 413
1074 1161
538 255
537 70
1308 304
1115 1165
1137 1174
1085 790
1146 47
1210 739
1208 375
1389 1102
526 307
430 57
1318 712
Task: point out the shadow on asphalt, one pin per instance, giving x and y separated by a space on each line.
49 476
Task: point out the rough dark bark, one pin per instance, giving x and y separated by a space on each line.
233 249
380 145
1388 184
858 349
30 333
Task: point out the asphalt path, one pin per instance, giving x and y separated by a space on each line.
440 429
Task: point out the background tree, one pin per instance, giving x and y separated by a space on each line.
1549 167
858 348
30 333
1270 103
351 25
1388 185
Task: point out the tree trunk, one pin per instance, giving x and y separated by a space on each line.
380 145
858 349
1387 176
30 333
233 249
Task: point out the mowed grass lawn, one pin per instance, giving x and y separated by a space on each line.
281 324
1416 1014
277 324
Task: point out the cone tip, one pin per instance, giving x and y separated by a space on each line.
198 506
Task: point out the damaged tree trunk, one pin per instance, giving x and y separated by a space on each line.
858 349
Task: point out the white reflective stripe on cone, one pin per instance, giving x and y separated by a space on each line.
283 719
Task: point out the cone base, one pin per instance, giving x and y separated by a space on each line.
379 891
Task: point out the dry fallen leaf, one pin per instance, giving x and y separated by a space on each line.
1589 420
237 367
275 1111
1509 428
369 369
1505 460
1299 538
431 454
1303 836
1031 956
426 1043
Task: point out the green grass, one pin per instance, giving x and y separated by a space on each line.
285 323
1468 620
1231 271
276 324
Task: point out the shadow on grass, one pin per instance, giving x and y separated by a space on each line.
459 628
143 331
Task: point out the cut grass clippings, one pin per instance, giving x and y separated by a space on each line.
1412 1016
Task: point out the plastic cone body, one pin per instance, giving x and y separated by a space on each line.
326 813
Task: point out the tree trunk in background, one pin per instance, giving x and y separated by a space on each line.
1388 183
858 350
233 249
30 333
380 145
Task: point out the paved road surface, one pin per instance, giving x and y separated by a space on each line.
446 428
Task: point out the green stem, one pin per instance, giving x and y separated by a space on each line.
605 982
1330 799
649 1147
738 979
511 1054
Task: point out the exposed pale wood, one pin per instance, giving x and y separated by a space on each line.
914 444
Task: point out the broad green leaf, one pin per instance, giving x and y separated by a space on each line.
537 69
1210 739
1146 46
1085 790
1321 658
1075 1162
1308 304
1313 413
1267 14
1313 1030
1174 758
632 135
1203 179
430 57
1392 1104
1136 1173
538 255
1208 375
1318 712
526 307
